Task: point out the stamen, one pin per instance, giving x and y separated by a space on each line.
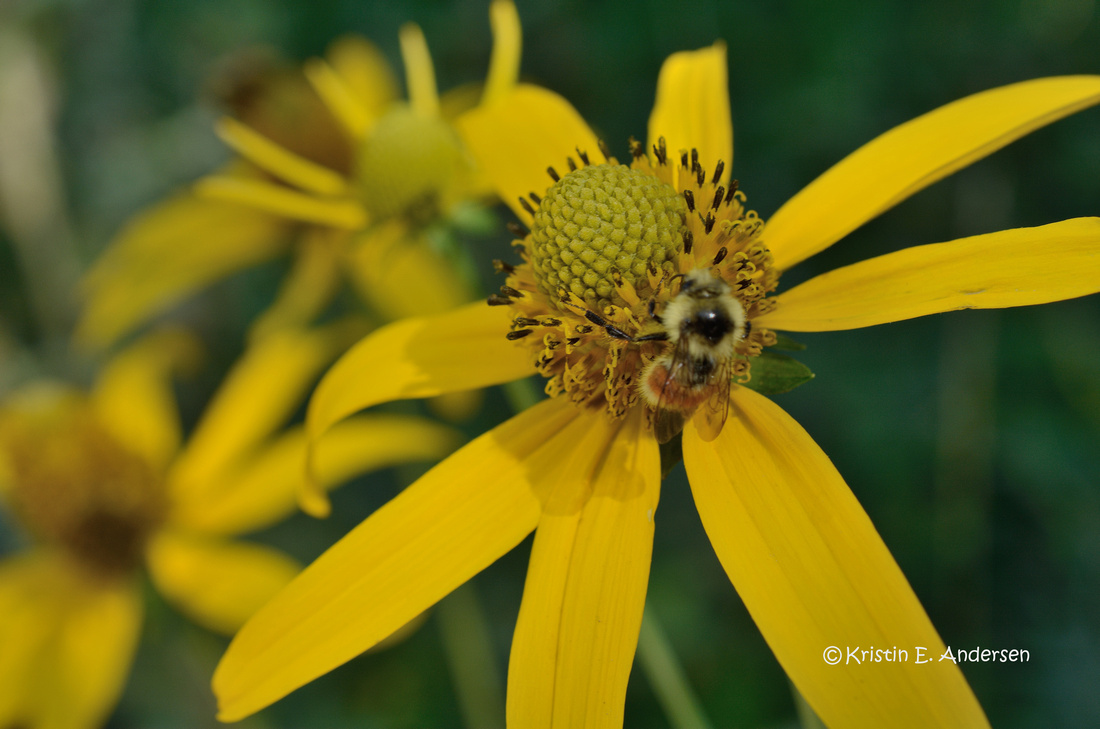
534 197
689 197
526 206
553 174
689 241
509 291
695 160
604 151
498 300
583 156
717 198
708 222
718 169
637 149
719 256
732 191
516 229
571 163
518 334
501 267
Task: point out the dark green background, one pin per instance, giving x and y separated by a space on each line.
969 438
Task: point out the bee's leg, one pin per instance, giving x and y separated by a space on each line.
611 329
653 312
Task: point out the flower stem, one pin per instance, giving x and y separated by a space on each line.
665 674
468 646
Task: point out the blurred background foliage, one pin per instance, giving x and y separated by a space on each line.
965 436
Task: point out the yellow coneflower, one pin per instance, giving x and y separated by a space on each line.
616 260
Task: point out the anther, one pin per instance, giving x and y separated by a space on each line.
684 158
498 300
718 194
516 229
518 334
660 150
689 241
695 160
732 191
583 156
572 164
523 321
509 291
720 256
689 197
604 150
708 222
700 176
501 267
526 206
718 168
637 149
553 174
534 198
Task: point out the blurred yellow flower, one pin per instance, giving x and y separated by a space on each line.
582 468
341 172
103 486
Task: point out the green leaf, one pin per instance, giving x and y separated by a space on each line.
775 373
782 341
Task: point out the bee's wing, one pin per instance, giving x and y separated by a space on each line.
668 418
712 416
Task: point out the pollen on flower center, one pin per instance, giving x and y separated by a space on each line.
600 220
406 163
76 487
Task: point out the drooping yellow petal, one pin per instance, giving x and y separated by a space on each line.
399 275
166 254
1010 268
350 111
309 287
277 160
516 139
908 158
419 72
448 526
264 489
366 74
582 603
814 574
68 640
693 107
133 396
261 391
507 50
420 357
217 582
283 201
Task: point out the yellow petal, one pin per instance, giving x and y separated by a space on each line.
264 489
167 253
282 163
218 583
68 643
1010 268
507 49
693 107
399 274
257 396
448 526
422 357
365 73
310 285
349 110
419 73
341 213
814 573
515 140
908 158
582 603
133 396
